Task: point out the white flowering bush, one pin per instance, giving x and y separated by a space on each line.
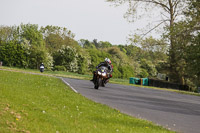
67 57
48 62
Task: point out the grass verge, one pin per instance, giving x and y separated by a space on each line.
88 77
35 103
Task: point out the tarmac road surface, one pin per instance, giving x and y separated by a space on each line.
171 110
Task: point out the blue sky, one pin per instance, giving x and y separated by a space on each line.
87 19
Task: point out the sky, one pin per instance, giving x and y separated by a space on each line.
87 19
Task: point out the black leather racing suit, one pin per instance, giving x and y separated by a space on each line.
106 65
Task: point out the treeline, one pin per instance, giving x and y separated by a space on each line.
28 45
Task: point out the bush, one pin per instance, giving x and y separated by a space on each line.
66 56
126 71
59 68
143 73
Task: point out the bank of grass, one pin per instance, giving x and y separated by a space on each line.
49 73
88 77
35 103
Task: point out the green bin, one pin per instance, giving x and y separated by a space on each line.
133 80
137 81
145 81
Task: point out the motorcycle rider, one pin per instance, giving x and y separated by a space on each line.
41 67
106 63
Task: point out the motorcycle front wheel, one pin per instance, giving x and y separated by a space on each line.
102 83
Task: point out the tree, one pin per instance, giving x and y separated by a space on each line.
191 34
31 33
126 71
152 49
185 34
86 44
6 33
96 44
82 64
37 51
55 37
105 44
149 67
12 54
53 42
12 50
61 31
170 10
193 16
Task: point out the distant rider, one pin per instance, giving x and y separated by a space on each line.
106 63
41 67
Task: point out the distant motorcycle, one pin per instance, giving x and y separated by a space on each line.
100 77
41 68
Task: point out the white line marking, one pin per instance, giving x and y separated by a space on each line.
69 85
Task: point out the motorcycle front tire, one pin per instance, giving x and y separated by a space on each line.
102 83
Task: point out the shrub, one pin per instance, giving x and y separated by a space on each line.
143 73
59 68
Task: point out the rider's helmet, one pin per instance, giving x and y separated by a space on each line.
107 60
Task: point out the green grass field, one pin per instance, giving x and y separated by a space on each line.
42 104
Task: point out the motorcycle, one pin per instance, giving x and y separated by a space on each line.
100 77
41 68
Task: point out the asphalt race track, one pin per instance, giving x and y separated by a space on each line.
174 111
